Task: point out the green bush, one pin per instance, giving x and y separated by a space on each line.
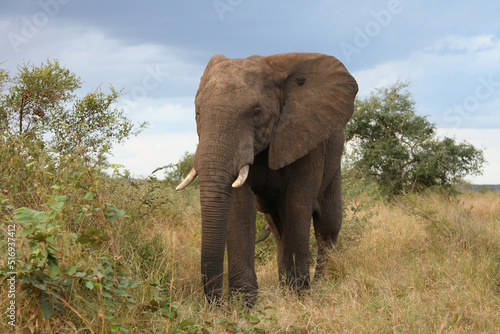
397 147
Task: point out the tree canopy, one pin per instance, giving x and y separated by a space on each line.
387 140
42 102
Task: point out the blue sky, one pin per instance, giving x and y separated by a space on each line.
450 50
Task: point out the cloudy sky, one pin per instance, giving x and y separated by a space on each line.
157 50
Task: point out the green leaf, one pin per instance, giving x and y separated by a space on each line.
89 196
54 270
41 217
133 284
89 285
56 206
95 244
84 239
122 293
28 230
80 274
115 328
106 294
72 271
110 216
24 215
120 213
45 305
104 237
57 202
39 285
59 307
48 313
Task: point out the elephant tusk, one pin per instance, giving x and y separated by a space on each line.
242 176
189 178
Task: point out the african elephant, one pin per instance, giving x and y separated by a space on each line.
270 139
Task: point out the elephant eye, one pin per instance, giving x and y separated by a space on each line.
256 112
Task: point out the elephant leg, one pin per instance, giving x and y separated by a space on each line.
241 244
327 222
295 258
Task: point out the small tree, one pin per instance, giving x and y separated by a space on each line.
42 101
37 94
399 148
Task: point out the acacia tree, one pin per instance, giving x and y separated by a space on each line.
41 101
400 149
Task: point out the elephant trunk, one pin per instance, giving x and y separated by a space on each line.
213 163
214 199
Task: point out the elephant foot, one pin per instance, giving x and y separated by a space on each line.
245 297
214 296
298 284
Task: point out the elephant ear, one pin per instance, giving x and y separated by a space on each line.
317 99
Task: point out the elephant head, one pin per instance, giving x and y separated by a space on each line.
286 103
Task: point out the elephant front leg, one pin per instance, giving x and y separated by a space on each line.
241 244
293 250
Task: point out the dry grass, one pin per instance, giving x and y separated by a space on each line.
427 264
424 264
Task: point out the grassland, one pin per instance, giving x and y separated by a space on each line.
426 263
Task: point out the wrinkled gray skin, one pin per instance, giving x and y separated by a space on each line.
284 116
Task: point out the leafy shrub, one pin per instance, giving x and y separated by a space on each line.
400 149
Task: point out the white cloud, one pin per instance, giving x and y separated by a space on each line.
100 59
159 109
466 43
4 25
142 155
432 67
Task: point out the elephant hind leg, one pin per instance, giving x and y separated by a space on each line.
327 222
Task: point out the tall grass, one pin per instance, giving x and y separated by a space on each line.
427 263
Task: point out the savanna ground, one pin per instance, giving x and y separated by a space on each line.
426 263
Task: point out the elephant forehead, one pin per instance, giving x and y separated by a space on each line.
227 94
236 72
240 80
229 88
